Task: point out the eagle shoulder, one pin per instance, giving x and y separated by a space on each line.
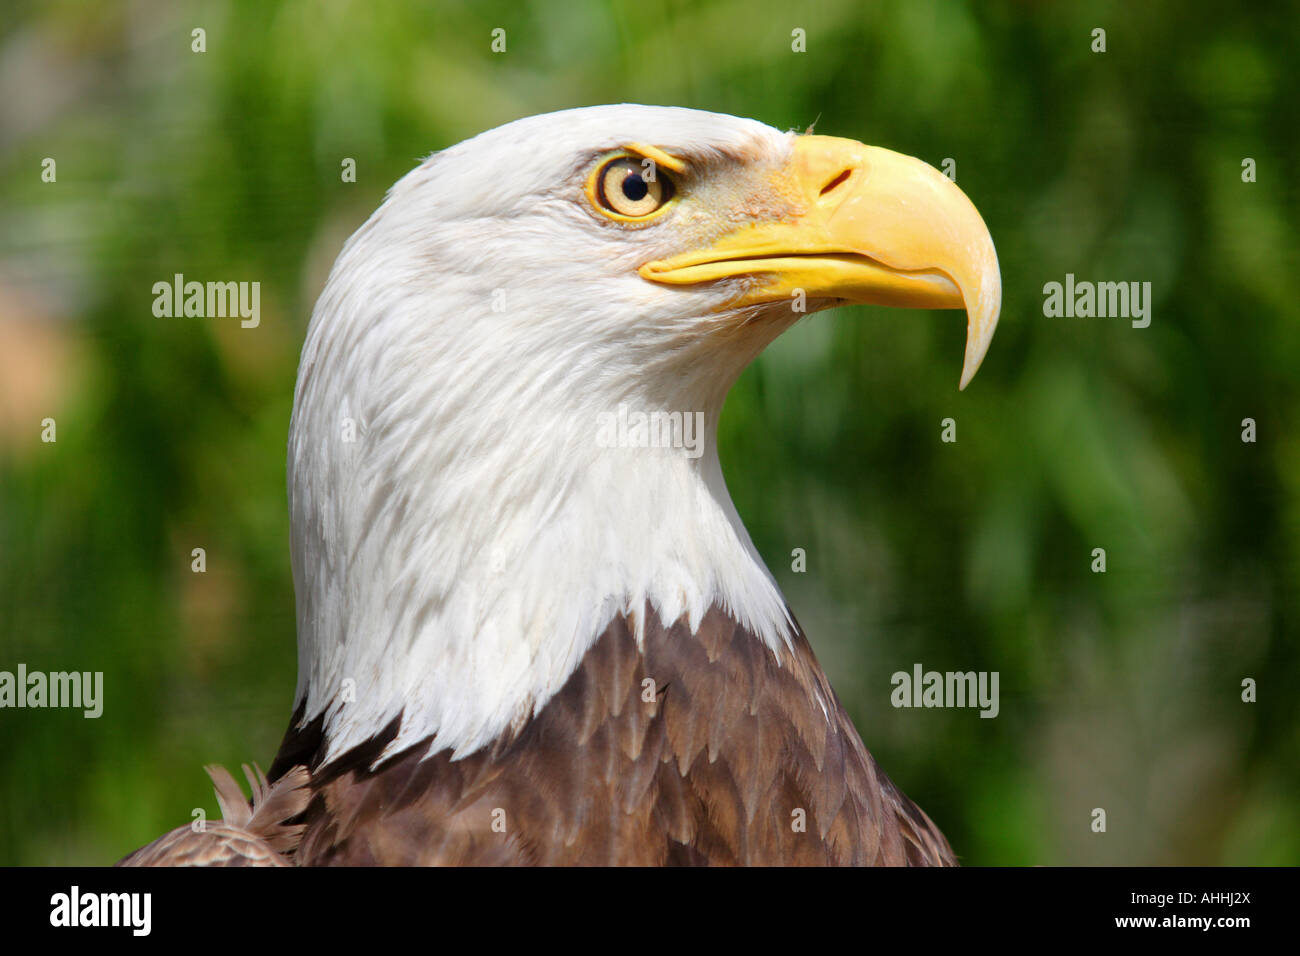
681 747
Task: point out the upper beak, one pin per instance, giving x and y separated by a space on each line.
871 226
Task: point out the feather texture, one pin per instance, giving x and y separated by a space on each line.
247 835
702 748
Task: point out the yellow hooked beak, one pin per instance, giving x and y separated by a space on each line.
871 226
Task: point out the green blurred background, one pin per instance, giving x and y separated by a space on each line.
1119 690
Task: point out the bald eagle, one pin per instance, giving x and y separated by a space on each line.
520 641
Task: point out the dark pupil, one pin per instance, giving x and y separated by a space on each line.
634 187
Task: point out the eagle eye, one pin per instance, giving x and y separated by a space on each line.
631 188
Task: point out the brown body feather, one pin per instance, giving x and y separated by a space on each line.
256 835
733 750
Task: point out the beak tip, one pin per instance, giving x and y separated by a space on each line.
979 336
984 307
967 374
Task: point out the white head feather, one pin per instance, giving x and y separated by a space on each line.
456 560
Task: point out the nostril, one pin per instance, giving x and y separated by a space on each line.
844 175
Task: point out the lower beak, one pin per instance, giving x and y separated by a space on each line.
870 226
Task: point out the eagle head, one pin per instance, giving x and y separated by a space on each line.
470 505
